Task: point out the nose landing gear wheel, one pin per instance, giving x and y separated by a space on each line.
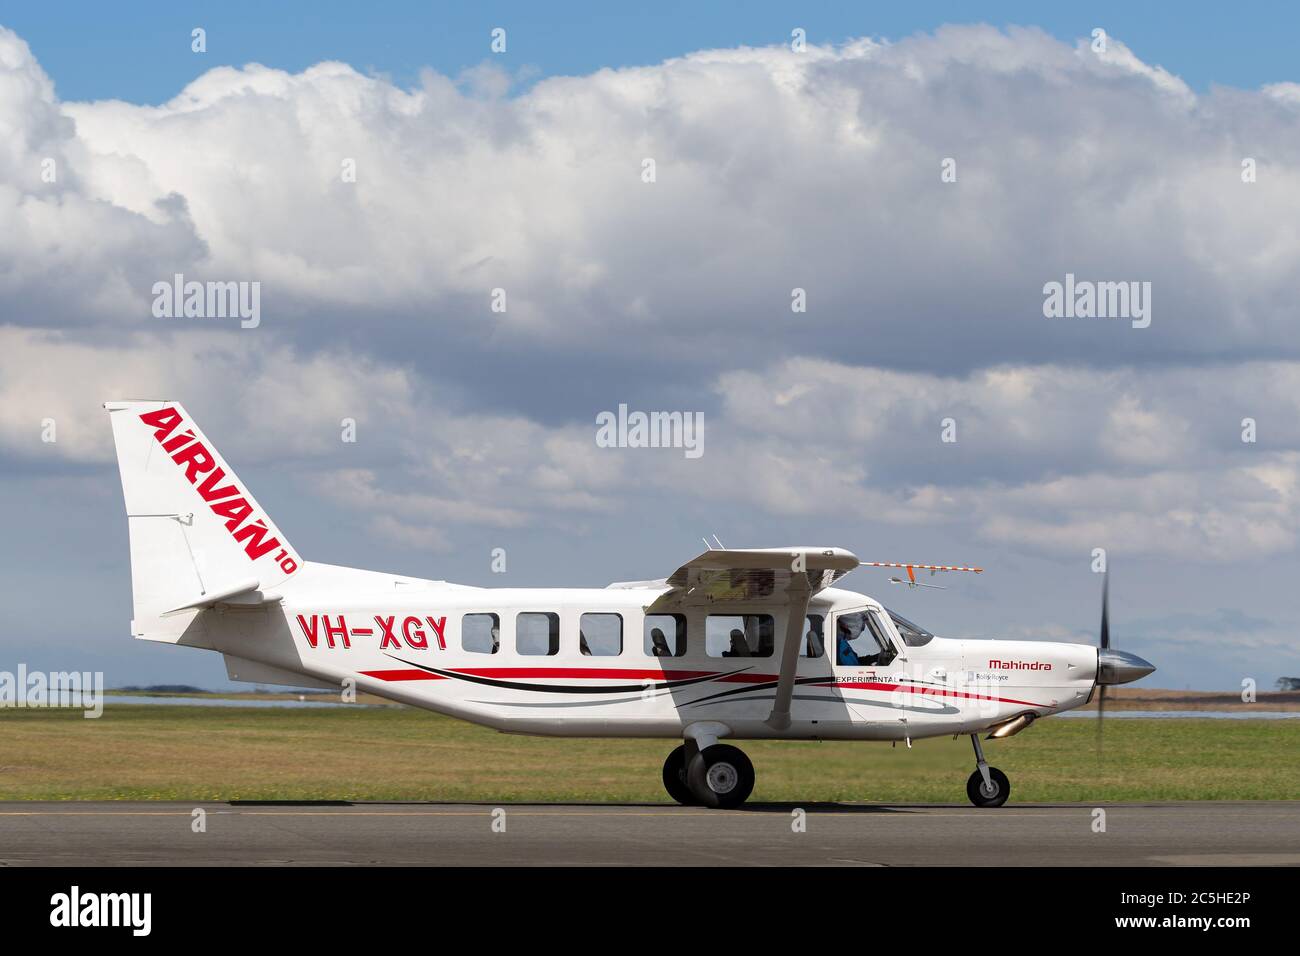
720 777
993 795
675 778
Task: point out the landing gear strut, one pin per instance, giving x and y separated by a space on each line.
719 776
987 786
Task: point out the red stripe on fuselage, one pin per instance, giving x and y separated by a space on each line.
933 691
616 673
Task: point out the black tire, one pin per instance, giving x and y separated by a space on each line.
675 778
980 797
720 777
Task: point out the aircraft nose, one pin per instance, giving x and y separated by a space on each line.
1121 667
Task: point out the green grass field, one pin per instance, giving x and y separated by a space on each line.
139 752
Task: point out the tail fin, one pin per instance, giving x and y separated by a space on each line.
197 535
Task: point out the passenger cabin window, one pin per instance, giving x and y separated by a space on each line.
600 635
537 633
738 635
664 635
480 633
861 641
814 644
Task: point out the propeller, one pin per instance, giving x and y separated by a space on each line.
1103 644
1113 667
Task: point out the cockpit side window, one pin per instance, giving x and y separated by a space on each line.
861 640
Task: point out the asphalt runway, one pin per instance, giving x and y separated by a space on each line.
144 834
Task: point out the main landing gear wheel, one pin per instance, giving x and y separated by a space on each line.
675 778
720 777
994 794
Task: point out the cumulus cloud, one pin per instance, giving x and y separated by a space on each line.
774 170
1047 458
265 401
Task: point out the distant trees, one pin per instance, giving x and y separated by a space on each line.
1288 683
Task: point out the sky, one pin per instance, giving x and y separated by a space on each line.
94 50
921 173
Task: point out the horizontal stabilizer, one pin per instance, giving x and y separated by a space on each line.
244 592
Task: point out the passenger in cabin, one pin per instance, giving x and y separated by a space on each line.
659 643
583 646
496 638
738 646
814 644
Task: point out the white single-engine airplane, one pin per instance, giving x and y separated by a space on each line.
734 644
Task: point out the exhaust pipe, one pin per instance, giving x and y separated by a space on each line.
1011 727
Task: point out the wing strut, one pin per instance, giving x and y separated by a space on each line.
799 593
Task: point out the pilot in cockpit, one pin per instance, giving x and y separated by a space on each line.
845 655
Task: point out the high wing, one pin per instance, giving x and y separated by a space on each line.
764 574
771 575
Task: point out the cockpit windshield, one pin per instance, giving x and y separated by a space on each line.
912 634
